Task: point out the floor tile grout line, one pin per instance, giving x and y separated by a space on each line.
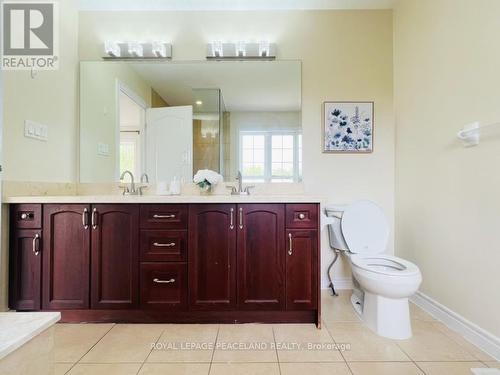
92 347
457 341
276 348
213 351
81 357
158 339
340 351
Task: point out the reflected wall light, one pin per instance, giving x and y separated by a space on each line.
156 50
242 50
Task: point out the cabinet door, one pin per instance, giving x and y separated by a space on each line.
66 246
212 256
115 256
25 268
301 273
261 262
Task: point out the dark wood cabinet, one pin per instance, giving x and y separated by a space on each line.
261 251
115 256
25 269
212 256
66 246
189 263
301 264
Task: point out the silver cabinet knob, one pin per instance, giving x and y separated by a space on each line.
302 216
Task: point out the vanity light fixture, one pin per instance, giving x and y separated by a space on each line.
263 50
199 102
156 50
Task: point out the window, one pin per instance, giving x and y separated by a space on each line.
271 156
253 157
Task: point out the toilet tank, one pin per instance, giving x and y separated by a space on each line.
335 230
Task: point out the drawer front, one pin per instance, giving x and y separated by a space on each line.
163 246
164 286
164 216
26 216
300 216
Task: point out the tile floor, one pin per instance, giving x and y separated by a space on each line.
123 349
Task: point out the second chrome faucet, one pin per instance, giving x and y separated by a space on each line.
240 190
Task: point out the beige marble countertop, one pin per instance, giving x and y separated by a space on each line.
165 199
17 328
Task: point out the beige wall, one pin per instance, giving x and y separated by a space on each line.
50 99
346 55
447 74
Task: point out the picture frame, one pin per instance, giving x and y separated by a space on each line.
348 127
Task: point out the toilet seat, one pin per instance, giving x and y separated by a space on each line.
384 265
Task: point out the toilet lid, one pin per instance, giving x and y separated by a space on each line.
365 228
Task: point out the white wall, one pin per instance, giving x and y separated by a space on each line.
51 99
346 55
99 116
447 59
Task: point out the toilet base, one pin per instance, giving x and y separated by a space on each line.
386 316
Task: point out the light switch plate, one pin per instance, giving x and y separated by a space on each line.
103 149
36 131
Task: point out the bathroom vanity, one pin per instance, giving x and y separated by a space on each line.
164 259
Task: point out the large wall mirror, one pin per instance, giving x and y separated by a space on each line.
171 119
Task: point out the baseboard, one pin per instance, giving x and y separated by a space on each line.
341 283
484 340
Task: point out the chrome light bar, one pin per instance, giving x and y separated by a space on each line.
156 50
263 50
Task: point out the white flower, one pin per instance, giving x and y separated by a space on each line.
212 177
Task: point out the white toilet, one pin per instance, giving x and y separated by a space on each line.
382 283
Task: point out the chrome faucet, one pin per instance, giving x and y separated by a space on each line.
144 180
240 190
126 189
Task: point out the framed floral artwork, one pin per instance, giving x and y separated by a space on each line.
348 127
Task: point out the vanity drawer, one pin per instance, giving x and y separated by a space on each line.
164 286
26 216
164 216
301 215
163 245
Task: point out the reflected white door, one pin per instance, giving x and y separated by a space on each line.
169 143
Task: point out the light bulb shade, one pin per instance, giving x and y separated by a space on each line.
112 49
159 49
241 49
264 49
135 49
217 49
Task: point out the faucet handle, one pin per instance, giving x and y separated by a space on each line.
233 189
247 189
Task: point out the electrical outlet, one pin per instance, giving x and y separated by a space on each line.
36 131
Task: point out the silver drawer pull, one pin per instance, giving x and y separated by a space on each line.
157 244
36 239
290 244
158 281
157 216
302 216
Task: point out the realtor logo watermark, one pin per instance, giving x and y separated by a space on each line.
30 35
